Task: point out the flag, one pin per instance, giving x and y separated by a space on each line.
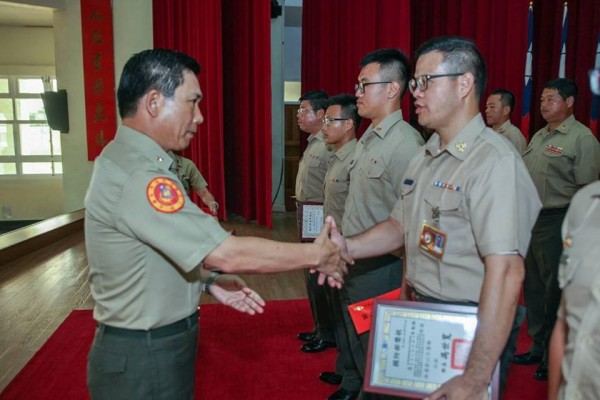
595 99
527 89
563 42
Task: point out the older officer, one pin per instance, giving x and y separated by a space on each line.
498 108
148 245
562 157
468 192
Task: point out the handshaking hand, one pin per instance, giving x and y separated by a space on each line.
333 264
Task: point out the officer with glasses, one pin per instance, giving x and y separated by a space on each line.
464 214
380 159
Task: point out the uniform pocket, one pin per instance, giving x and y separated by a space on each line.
105 362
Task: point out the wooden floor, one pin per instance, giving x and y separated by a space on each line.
39 290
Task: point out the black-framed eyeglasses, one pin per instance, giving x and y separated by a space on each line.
421 82
304 109
329 120
360 86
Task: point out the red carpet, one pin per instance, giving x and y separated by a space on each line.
239 357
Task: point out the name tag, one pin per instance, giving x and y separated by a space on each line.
433 241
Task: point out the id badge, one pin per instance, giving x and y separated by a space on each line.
433 241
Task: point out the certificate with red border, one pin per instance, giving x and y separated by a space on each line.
415 347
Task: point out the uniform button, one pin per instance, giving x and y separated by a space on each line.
589 340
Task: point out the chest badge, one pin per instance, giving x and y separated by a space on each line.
554 150
164 195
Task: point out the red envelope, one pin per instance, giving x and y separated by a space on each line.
360 312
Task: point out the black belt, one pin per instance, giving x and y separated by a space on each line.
553 211
428 299
163 331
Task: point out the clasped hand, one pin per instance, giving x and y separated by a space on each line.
333 266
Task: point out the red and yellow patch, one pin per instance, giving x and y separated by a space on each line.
164 195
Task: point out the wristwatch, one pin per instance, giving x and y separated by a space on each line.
210 280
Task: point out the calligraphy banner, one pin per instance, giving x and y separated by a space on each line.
415 347
98 74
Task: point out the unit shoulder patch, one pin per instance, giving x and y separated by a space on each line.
164 195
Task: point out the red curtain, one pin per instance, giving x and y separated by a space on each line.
194 27
583 29
247 99
337 33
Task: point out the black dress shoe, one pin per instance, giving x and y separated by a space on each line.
343 394
316 346
541 373
526 359
307 336
330 377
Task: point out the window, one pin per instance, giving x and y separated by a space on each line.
27 144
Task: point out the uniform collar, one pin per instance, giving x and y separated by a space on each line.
145 145
384 126
346 150
462 144
564 126
504 127
316 136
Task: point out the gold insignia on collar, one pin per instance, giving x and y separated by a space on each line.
567 242
159 158
461 146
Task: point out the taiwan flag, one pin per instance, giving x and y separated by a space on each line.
528 83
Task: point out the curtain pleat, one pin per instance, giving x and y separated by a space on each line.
247 101
194 27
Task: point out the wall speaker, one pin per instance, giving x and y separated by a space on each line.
57 110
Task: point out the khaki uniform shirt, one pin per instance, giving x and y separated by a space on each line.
144 237
312 170
478 193
579 278
381 157
514 135
337 182
188 174
562 161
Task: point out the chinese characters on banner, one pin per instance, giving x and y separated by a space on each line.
98 73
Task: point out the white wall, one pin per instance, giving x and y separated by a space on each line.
130 35
29 52
277 112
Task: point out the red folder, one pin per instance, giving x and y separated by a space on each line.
360 312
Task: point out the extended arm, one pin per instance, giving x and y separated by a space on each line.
498 301
383 238
208 199
257 255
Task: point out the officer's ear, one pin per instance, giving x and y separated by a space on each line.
152 102
466 83
570 101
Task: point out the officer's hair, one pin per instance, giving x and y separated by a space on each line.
155 69
506 98
316 98
564 86
393 66
460 55
347 103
